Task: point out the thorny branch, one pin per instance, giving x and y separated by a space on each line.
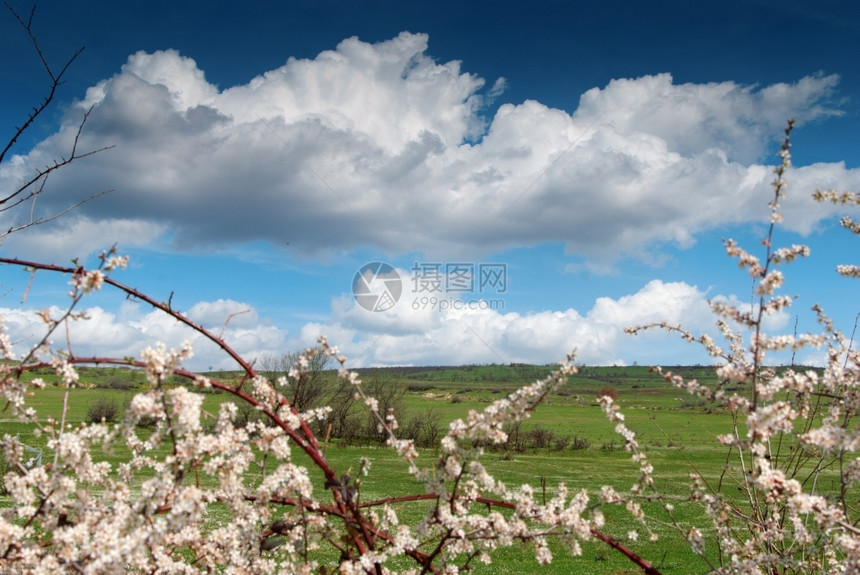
31 189
363 532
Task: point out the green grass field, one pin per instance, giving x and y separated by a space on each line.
677 432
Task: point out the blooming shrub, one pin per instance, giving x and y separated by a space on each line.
793 433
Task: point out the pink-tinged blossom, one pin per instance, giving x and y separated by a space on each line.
88 281
161 363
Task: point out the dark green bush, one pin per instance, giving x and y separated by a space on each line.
120 383
579 443
103 409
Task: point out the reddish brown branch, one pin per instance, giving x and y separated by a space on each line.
314 453
642 563
646 566
165 307
349 512
307 441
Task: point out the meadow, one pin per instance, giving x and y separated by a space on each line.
677 429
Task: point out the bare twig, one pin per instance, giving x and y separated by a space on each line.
56 77
32 188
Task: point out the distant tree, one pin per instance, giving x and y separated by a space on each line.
311 387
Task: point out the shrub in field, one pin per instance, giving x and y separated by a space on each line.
103 409
424 428
694 402
539 437
785 501
579 443
607 391
560 442
120 383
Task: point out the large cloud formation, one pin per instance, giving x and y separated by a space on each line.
402 335
379 145
471 334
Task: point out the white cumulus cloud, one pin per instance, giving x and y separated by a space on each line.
126 332
456 333
475 332
380 145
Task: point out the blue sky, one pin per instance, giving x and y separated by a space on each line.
593 153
